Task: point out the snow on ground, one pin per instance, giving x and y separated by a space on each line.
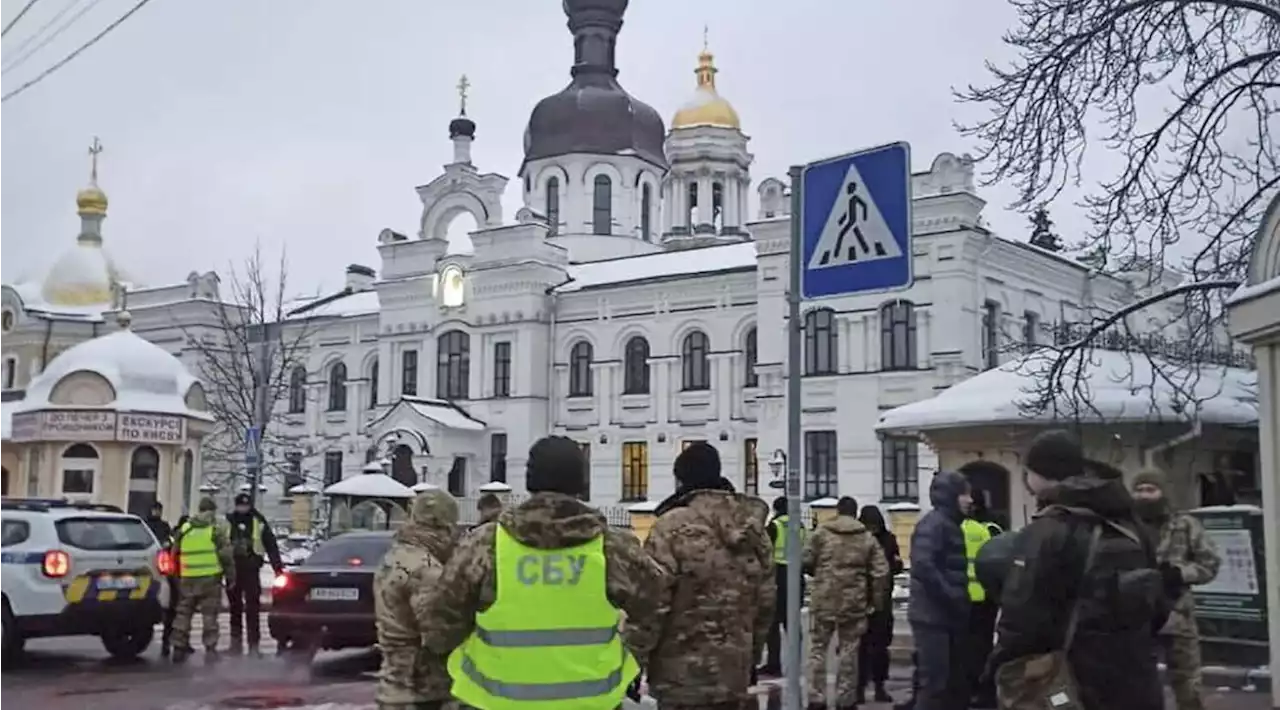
1120 386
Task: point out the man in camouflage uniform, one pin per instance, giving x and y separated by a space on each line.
1186 558
411 677
490 507
850 581
552 518
716 602
200 587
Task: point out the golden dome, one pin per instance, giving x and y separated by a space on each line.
91 200
707 107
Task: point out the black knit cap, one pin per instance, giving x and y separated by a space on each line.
698 466
1056 455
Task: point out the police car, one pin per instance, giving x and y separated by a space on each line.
72 569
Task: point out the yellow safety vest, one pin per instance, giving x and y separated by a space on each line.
550 638
197 553
780 540
255 538
976 535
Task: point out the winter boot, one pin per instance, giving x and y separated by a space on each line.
882 695
816 705
236 648
861 696
180 655
212 655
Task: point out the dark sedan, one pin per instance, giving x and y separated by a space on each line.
327 601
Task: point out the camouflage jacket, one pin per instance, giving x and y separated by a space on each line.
850 571
716 602
411 568
1184 545
546 521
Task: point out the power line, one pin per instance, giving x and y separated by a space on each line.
19 61
67 59
14 21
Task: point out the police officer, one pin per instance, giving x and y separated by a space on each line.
204 560
529 607
252 542
777 530
164 535
983 608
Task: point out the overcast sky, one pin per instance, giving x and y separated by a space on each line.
307 123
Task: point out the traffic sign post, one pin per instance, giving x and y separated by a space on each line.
252 446
850 234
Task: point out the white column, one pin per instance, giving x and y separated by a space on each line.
1268 357
732 187
668 205
661 388
387 369
704 200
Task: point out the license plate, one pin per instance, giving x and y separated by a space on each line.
334 594
124 581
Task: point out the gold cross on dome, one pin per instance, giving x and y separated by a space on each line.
463 85
94 150
705 30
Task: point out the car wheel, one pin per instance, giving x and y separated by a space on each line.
128 642
11 642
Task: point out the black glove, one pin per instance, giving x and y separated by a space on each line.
1172 578
633 690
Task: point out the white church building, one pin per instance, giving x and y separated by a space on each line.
636 303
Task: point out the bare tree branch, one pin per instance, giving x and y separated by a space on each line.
1186 95
254 305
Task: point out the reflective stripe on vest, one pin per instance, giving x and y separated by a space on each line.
550 639
197 553
780 540
976 535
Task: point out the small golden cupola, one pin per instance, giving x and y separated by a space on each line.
707 107
85 274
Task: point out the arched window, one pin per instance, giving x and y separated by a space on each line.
693 205
144 480
646 210
453 366
580 369
635 366
402 465
188 479
898 336
602 206
338 387
80 466
298 390
373 385
717 205
553 205
820 347
695 361
750 355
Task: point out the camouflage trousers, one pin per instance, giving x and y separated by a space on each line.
402 682
1182 656
203 594
848 634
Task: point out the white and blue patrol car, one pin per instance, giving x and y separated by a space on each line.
72 569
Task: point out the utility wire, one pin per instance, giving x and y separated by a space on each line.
14 21
19 61
67 59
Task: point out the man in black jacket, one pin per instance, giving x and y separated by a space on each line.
252 542
938 609
164 535
1120 596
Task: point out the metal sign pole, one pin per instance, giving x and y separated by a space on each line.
792 698
261 413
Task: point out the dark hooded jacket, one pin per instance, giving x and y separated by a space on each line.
939 568
1113 652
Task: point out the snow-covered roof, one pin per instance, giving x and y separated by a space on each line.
1115 387
343 304
244 487
662 265
1248 292
423 487
145 377
442 412
304 489
370 485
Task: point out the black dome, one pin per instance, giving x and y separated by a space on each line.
462 126
594 114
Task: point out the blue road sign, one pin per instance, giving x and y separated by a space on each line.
856 223
252 446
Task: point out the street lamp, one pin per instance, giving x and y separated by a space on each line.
778 467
